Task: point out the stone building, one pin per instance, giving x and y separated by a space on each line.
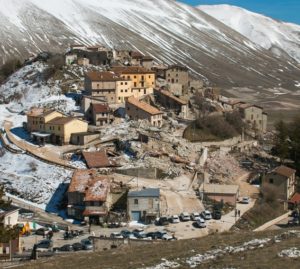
107 85
102 114
178 75
89 196
255 116
143 205
142 80
169 101
137 110
283 180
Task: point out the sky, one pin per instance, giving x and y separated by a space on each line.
285 10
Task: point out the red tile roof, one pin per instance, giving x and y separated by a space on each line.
143 106
94 187
104 76
284 171
100 108
295 198
97 159
130 70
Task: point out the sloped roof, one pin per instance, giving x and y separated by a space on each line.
284 171
100 108
61 120
173 97
143 106
131 70
97 159
295 198
150 192
95 187
104 76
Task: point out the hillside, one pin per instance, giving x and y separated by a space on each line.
231 250
282 39
169 31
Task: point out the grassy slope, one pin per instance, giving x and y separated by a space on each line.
139 257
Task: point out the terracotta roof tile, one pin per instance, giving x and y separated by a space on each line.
176 99
100 108
97 159
95 187
131 70
104 76
284 171
143 106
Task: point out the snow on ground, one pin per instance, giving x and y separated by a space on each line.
290 253
263 31
197 259
30 179
24 176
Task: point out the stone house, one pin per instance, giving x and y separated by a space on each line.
38 117
138 59
169 101
138 110
102 114
255 116
61 129
177 74
143 205
220 192
283 180
89 196
142 80
107 85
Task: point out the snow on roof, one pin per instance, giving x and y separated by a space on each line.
95 187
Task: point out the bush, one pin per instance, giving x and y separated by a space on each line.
9 68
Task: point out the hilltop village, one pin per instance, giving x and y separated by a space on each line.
149 152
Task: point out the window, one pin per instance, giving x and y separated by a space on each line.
271 180
134 84
121 83
125 83
149 76
121 90
119 98
136 201
134 76
145 91
125 90
58 128
128 77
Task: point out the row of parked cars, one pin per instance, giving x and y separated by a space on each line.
141 234
198 218
47 245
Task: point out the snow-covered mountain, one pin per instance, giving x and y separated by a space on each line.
279 37
168 30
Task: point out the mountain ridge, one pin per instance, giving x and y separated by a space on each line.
169 31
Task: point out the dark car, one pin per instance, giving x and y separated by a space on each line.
78 246
153 235
41 231
44 245
162 221
126 233
87 244
160 234
217 214
64 248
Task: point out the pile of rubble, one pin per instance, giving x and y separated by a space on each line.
290 253
223 167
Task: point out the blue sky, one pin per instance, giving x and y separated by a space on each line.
286 10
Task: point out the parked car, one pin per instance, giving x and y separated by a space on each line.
160 234
64 248
77 246
174 219
195 216
44 245
126 233
42 231
116 235
206 215
293 222
184 216
87 244
162 221
68 235
200 223
245 200
167 237
153 235
217 214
